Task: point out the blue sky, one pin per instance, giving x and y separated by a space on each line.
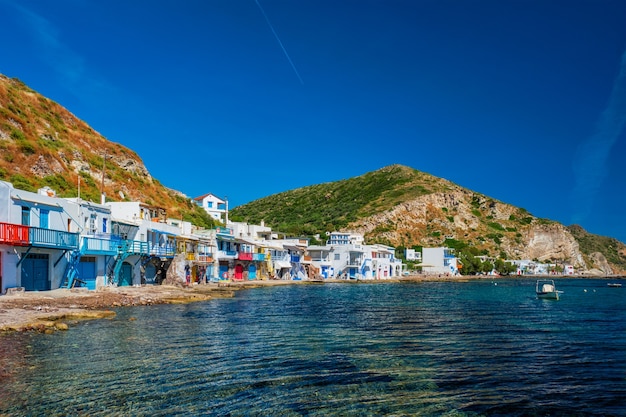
521 100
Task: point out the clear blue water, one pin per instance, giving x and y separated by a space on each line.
410 349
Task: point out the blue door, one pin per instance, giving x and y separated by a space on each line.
87 271
252 271
35 272
150 274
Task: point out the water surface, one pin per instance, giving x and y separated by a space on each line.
429 349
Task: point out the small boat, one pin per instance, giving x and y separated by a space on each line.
546 289
614 284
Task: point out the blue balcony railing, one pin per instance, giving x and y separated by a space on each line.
134 247
258 256
99 246
49 238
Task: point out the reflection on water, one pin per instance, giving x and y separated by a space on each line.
470 348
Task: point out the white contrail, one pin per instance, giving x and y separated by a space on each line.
591 161
279 42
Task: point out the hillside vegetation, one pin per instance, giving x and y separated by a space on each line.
335 205
407 208
43 144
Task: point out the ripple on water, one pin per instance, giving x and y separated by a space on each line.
397 349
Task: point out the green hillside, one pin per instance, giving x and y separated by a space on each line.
332 206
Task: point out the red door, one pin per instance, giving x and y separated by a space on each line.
238 271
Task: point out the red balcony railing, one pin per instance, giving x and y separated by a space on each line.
14 234
245 256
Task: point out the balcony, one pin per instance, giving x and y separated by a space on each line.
205 258
295 258
14 234
134 247
48 238
244 256
99 246
258 257
227 254
162 251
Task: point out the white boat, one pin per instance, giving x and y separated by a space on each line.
546 289
614 284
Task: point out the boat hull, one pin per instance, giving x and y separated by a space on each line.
554 295
546 290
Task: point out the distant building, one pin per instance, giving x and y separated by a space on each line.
215 206
346 256
412 255
439 261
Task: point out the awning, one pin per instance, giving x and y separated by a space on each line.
282 264
35 200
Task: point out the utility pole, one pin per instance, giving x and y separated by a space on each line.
102 193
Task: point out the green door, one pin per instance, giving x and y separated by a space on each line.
126 275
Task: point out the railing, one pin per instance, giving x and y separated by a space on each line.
227 254
53 238
95 245
205 258
134 247
162 251
244 256
258 256
14 234
295 258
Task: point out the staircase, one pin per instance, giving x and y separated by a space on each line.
71 275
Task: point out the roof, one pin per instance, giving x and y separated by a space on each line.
202 197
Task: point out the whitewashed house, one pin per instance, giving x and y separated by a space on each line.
215 206
98 246
345 256
439 260
36 244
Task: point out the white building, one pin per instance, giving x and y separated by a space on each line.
38 239
215 206
439 261
345 256
412 255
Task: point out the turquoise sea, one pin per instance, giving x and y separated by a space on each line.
386 349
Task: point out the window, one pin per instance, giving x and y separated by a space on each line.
26 216
210 204
337 256
104 225
92 223
43 218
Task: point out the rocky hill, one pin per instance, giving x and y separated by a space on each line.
404 207
43 144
